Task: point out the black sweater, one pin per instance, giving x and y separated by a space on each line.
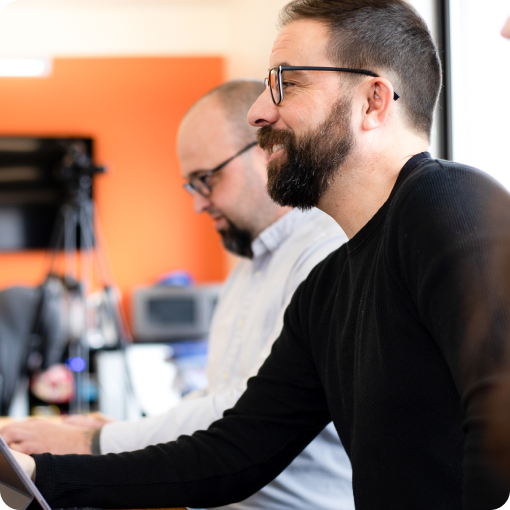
376 339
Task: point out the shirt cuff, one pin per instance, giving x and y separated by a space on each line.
43 479
95 445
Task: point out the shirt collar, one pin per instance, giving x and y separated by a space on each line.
271 238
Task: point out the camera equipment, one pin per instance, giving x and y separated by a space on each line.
27 344
46 200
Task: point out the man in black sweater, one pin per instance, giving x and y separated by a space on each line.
377 339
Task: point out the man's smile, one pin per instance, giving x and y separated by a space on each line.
274 150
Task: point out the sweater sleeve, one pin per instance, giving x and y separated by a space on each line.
281 412
447 264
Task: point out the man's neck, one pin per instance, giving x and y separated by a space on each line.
364 185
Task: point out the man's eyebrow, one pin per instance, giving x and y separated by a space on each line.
296 73
293 71
196 173
283 64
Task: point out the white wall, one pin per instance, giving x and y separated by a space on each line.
253 25
113 27
241 30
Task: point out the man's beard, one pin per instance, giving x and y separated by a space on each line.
309 164
237 241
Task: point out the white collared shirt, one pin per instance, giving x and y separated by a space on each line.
246 322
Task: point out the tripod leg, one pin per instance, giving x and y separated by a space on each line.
82 351
101 256
57 238
115 311
71 270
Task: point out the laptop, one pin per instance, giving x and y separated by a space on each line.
17 490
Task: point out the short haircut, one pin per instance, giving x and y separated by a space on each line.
383 36
236 98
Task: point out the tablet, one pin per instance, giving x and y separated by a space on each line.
17 490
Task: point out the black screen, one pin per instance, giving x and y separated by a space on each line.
26 226
177 310
37 176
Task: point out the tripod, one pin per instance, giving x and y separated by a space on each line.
77 239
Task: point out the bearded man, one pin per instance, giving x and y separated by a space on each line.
376 338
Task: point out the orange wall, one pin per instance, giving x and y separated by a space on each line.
132 108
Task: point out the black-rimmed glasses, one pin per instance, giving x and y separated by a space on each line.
199 183
275 81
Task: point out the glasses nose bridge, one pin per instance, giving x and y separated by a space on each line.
201 202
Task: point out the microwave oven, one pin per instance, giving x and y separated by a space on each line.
166 313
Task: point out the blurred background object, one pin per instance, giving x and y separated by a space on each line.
46 201
54 386
31 336
171 313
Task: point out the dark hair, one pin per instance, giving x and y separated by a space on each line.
384 36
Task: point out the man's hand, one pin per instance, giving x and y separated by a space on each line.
27 463
39 436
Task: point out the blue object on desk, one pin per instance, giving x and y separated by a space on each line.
177 279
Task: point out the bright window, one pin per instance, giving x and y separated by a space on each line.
480 86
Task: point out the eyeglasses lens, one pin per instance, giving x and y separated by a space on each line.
275 85
197 185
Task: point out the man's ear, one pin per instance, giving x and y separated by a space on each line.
378 103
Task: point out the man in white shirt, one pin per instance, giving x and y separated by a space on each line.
279 247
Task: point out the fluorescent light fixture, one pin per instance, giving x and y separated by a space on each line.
25 67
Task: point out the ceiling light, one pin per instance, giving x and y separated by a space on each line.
25 67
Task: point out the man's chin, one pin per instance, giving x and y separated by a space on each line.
296 202
236 241
283 191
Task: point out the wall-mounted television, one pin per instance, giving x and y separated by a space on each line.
38 175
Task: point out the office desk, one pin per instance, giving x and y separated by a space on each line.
5 421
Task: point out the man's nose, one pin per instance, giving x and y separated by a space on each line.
200 203
263 112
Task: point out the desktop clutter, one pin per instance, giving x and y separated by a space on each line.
42 375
